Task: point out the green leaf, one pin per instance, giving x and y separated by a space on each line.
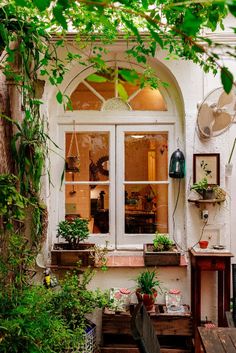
60 18
42 4
191 23
130 76
232 6
96 78
122 92
22 3
59 97
145 4
227 79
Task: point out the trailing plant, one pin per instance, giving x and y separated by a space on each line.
162 242
147 281
73 231
12 203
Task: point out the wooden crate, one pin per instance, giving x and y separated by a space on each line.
174 331
62 256
160 258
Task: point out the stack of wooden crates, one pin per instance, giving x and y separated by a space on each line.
174 331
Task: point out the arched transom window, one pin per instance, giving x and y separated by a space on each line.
111 91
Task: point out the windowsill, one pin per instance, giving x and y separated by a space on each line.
121 260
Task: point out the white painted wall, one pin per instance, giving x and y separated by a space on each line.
189 86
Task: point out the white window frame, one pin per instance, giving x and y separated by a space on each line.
136 241
117 237
95 238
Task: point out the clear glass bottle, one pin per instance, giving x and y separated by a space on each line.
173 300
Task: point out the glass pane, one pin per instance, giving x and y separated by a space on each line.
83 99
87 156
91 202
148 99
146 208
146 156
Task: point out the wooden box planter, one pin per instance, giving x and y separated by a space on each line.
62 256
160 258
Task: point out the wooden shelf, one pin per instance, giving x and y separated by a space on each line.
201 201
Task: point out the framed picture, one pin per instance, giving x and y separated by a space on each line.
206 165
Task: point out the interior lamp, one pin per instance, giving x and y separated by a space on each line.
177 165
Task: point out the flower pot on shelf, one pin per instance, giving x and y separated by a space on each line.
160 258
203 244
63 256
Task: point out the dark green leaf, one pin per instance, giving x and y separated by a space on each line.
145 4
59 97
22 3
60 18
130 76
42 4
227 79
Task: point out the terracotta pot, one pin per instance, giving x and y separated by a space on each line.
147 299
203 244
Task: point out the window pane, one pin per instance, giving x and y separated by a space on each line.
91 202
92 150
146 156
146 208
148 99
83 99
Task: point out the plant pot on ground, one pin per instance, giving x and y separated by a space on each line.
162 252
69 254
146 292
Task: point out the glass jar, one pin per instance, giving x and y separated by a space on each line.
173 300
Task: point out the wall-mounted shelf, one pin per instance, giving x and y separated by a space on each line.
198 202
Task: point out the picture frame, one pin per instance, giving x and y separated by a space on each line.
206 165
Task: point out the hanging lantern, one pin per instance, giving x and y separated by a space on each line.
177 165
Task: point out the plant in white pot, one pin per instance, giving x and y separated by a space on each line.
75 250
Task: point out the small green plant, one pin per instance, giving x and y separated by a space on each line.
162 242
73 231
200 186
147 281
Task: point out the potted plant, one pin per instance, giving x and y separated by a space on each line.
204 189
147 284
74 231
162 252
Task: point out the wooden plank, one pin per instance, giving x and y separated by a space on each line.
229 318
120 349
218 340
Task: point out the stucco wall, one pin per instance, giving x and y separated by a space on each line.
189 86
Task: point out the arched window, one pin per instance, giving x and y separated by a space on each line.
121 137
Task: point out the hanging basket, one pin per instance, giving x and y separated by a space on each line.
72 163
73 158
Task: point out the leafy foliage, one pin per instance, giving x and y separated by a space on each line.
41 320
74 231
162 242
146 281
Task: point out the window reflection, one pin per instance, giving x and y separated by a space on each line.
91 202
146 208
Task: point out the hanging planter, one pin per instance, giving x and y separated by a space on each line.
73 158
